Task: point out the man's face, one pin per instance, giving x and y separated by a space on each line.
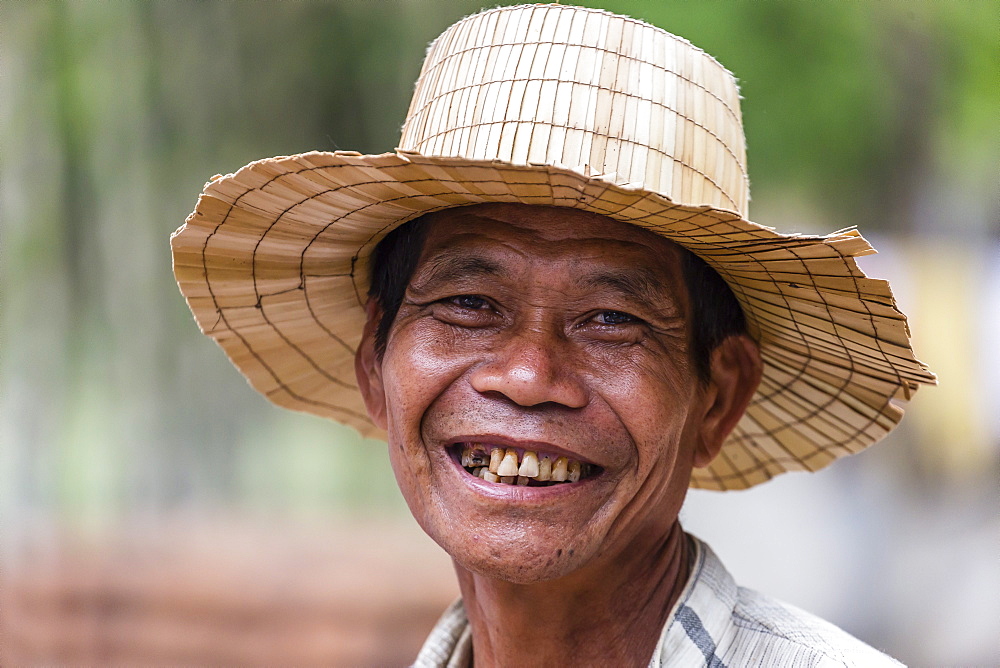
552 331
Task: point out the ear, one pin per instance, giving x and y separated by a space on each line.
368 368
735 373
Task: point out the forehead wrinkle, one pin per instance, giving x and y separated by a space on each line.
451 264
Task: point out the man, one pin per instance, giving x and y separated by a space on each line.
551 303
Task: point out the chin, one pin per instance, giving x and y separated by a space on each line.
514 553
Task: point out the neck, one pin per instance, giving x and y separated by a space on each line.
608 613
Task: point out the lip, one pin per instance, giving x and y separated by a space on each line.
519 493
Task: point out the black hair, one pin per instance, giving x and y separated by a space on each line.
392 265
715 312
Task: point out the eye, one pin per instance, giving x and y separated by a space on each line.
614 327
615 318
473 311
471 302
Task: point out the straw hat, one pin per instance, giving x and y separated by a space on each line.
558 106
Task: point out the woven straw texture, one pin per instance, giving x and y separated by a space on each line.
557 106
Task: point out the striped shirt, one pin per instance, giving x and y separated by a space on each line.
714 624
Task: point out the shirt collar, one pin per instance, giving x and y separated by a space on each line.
689 636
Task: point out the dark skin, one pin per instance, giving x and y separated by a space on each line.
564 331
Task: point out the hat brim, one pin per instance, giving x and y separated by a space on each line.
273 263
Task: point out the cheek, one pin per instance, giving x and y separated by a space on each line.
657 412
419 365
412 472
652 392
421 368
656 397
414 371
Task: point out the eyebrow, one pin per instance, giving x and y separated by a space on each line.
638 284
450 266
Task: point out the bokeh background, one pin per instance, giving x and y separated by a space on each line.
154 510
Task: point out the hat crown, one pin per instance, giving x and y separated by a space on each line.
596 92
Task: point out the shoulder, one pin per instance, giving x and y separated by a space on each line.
764 627
730 625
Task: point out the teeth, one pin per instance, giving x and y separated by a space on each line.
496 456
529 465
544 469
502 466
478 456
559 472
508 467
473 456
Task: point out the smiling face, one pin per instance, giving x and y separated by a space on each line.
542 330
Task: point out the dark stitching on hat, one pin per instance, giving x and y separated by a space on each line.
850 442
858 348
242 339
878 339
314 402
302 277
260 298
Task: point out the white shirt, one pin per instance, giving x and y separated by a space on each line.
714 623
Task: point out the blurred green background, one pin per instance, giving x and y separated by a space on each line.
117 417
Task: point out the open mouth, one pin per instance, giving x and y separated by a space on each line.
514 466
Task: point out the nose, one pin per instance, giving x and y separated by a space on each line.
531 367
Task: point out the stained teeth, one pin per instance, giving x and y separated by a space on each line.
501 465
559 472
473 456
529 466
544 469
508 467
496 456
